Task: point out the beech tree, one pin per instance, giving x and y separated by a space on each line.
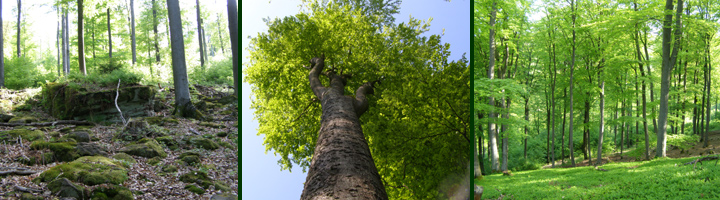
183 105
402 129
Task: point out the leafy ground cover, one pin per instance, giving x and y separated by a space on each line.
665 178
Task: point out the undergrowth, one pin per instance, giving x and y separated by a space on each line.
663 178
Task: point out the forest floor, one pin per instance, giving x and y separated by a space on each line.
696 149
148 177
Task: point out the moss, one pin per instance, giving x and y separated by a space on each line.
194 189
25 134
226 145
221 134
125 157
64 151
191 158
113 192
221 187
169 168
161 120
168 141
153 161
204 143
212 124
28 196
90 170
146 147
198 177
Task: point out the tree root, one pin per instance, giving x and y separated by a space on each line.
61 122
700 160
17 171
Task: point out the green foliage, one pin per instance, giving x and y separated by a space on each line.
657 179
216 73
683 142
22 72
128 76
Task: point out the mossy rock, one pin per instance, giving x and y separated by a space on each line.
89 170
39 159
28 196
63 151
169 168
25 134
194 189
158 120
23 119
4 117
191 158
212 124
125 157
154 161
90 149
228 100
198 177
168 141
114 192
79 102
221 134
79 136
138 129
204 143
226 145
224 196
64 187
146 147
222 187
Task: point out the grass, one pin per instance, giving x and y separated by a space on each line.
657 179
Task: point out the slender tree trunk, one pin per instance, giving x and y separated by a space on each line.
492 135
66 43
233 26
479 156
562 139
667 64
708 83
81 39
586 130
155 29
222 43
527 118
572 67
644 100
602 124
2 55
204 42
552 97
199 30
652 86
19 8
57 39
505 136
132 33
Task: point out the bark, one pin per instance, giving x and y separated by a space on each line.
479 156
527 118
562 139
57 39
19 8
572 67
81 39
586 131
155 29
505 136
2 55
342 166
667 64
200 39
233 26
204 42
110 36
708 82
552 97
652 86
66 43
492 135
180 80
222 43
644 100
132 33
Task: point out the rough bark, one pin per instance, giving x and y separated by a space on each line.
667 64
233 26
132 33
492 134
342 166
81 39
180 80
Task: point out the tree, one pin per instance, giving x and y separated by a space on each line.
81 39
19 8
572 67
399 132
200 37
155 30
668 62
110 38
233 26
183 106
492 132
2 55
132 25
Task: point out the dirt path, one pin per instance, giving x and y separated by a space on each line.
695 150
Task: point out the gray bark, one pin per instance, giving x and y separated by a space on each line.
2 55
572 66
233 26
109 36
81 39
200 39
132 33
155 29
668 63
602 123
19 8
180 80
492 134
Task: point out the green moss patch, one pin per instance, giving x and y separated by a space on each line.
113 192
147 147
125 157
90 170
197 177
168 141
191 158
25 134
23 119
194 189
204 143
63 151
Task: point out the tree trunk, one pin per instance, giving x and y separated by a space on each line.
562 139
527 118
667 64
222 43
109 36
602 124
66 42
708 83
505 136
204 42
572 67
132 33
57 39
644 100
19 8
81 39
155 29
479 156
199 30
233 26
492 134
2 55
183 106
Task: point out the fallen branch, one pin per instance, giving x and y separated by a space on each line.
116 105
17 172
700 160
26 189
194 131
61 122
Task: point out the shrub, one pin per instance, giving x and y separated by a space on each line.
215 73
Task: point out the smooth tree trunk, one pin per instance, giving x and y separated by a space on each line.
2 55
479 155
200 39
668 61
109 36
155 30
57 39
233 26
708 82
81 39
644 100
222 43
19 8
183 105
132 33
562 138
572 68
527 118
492 132
602 124
342 166
66 43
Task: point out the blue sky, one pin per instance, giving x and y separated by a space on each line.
261 175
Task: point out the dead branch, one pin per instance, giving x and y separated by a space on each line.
26 189
117 91
61 122
18 172
700 160
194 131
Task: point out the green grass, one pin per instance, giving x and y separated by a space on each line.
657 179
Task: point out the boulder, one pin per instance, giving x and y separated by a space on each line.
80 136
74 101
66 188
147 147
23 119
25 134
137 129
5 118
114 192
63 151
204 143
89 170
224 196
90 149
191 158
125 157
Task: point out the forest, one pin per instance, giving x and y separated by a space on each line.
596 99
119 99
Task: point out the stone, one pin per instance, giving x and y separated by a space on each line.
80 136
169 168
168 141
125 157
195 189
66 188
25 134
23 119
191 158
90 149
204 143
198 177
28 196
73 101
63 151
114 192
5 118
147 147
89 170
224 196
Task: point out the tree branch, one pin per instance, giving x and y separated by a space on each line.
61 122
361 103
318 63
